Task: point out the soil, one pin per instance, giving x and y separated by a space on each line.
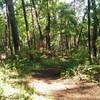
50 86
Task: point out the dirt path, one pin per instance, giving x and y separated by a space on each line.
50 87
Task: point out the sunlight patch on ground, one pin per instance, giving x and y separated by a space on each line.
8 90
63 89
39 97
44 87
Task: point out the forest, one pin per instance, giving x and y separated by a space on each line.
49 49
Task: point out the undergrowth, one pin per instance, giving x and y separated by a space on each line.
14 70
12 85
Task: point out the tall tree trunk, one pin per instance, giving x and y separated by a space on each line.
48 27
6 38
66 42
37 19
9 32
13 23
26 23
95 21
89 25
32 16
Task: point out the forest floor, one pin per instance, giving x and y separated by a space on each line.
22 79
51 87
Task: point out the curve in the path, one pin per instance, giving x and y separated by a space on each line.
50 86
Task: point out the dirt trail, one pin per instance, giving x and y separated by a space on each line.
51 87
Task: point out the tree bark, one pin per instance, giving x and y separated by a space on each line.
89 25
9 32
48 27
13 23
26 23
33 37
95 21
39 27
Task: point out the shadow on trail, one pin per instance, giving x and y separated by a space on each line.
48 73
47 83
86 91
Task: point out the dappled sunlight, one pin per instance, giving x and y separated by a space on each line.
8 90
46 87
40 97
64 88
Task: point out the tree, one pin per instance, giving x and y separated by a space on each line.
37 19
48 27
95 24
89 28
13 23
32 21
9 31
26 23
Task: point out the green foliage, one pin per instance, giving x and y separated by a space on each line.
50 62
92 71
69 67
98 42
80 55
11 80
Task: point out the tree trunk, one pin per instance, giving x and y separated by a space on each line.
26 23
48 28
33 37
13 23
39 27
89 25
6 39
95 21
9 31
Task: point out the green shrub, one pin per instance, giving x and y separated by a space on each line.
94 72
80 55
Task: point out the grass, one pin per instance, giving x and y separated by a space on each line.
12 85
